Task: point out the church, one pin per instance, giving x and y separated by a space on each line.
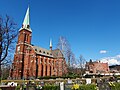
32 61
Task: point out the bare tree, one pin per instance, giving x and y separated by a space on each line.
64 46
8 33
81 64
72 69
73 61
69 56
5 71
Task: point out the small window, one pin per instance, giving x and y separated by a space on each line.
40 51
43 51
50 53
47 53
35 49
16 57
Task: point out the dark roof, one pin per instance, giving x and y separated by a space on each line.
57 53
54 53
114 66
42 51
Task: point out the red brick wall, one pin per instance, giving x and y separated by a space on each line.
26 58
97 67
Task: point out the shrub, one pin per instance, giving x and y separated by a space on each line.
114 86
48 77
17 87
88 87
50 87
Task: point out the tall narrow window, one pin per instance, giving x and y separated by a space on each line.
46 71
50 70
41 60
25 38
41 70
36 67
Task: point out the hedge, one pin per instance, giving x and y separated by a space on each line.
51 87
88 87
115 86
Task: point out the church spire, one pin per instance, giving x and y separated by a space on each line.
50 44
26 22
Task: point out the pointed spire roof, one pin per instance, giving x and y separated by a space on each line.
50 43
26 22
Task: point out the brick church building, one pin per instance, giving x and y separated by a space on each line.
96 67
32 61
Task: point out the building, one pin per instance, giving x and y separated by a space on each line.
114 68
96 67
33 61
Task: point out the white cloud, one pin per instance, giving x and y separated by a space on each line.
103 51
111 60
118 56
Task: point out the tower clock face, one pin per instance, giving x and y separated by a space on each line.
18 48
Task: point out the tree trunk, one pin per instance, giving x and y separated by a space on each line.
0 72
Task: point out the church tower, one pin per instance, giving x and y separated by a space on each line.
25 31
24 40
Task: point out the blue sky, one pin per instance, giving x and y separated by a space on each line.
89 25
